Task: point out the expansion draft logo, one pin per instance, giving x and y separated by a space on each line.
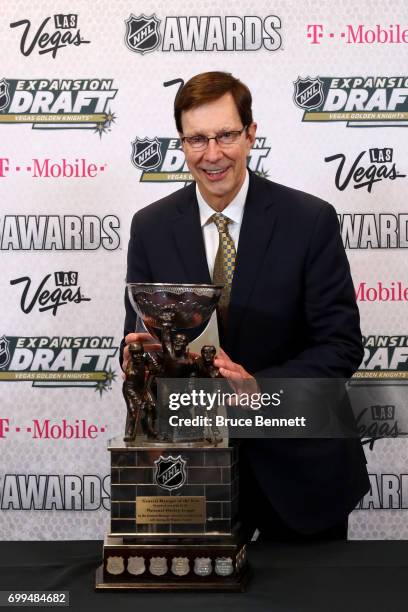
385 357
146 33
58 361
58 103
358 101
162 159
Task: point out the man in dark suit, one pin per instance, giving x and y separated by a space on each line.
288 308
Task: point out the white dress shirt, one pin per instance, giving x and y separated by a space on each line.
234 211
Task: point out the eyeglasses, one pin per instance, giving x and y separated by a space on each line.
223 139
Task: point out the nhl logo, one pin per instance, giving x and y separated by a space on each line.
142 33
170 472
146 153
4 94
4 352
308 93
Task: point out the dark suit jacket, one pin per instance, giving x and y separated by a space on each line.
292 314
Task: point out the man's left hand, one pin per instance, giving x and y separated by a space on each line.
239 379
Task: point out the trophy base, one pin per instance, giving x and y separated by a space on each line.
237 585
219 565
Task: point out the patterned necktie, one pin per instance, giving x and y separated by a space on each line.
224 265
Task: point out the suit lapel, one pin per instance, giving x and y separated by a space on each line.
255 235
189 239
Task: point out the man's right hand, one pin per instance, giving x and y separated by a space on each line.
150 344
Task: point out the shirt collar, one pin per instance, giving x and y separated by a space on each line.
233 211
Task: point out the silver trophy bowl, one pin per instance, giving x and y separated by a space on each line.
191 305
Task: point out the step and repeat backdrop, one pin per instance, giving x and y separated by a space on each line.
87 138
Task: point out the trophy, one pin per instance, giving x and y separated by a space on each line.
174 490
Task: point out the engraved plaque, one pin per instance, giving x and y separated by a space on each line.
136 565
223 566
180 566
158 566
202 566
115 565
181 509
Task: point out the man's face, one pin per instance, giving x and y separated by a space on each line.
218 171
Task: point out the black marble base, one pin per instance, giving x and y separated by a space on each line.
209 473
